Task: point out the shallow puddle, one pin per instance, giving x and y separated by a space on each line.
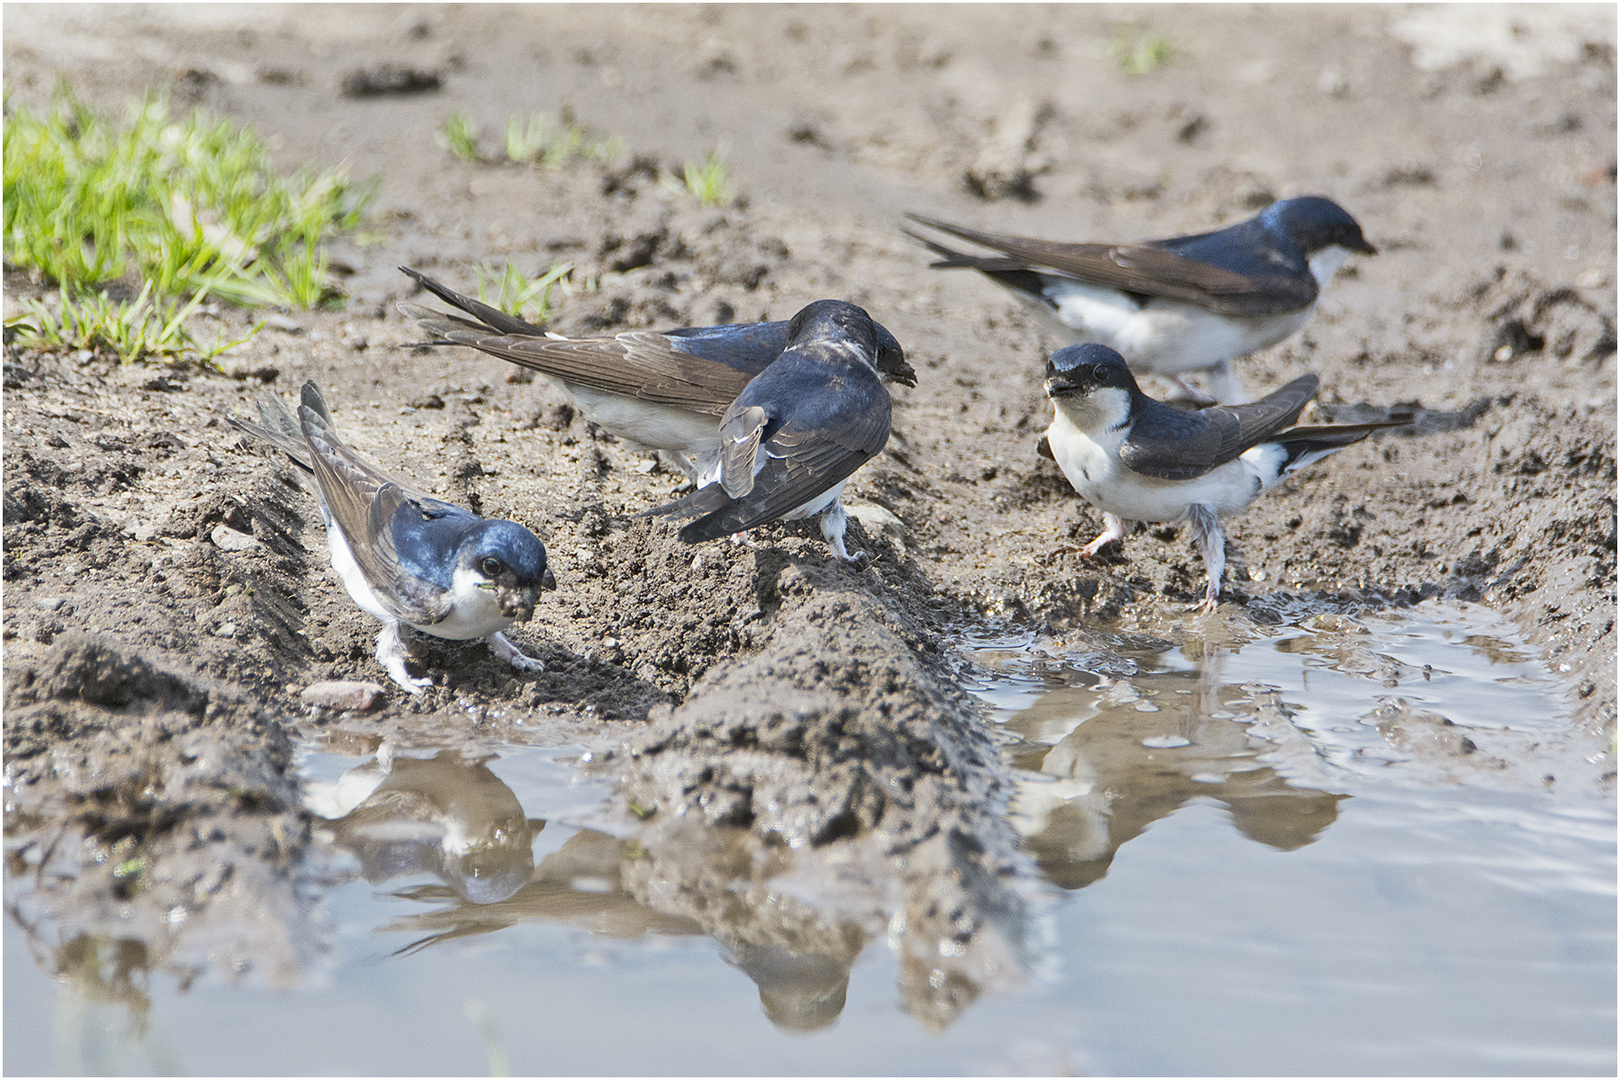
1371 845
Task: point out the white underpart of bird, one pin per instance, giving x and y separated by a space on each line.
476 613
1137 459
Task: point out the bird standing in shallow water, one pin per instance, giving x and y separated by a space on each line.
407 558
665 390
1137 459
1187 303
793 437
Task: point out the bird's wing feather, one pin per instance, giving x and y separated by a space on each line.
1170 444
740 433
280 429
800 463
364 502
1146 269
640 364
489 318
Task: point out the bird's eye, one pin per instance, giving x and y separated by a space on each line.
1101 374
490 566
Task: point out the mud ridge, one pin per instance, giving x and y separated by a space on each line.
835 755
175 834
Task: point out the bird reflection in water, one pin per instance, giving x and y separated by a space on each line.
799 992
1099 786
453 818
444 815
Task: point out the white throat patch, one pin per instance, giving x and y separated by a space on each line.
1326 263
1103 409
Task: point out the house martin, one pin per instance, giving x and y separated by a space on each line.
1137 459
665 390
791 439
405 557
1183 304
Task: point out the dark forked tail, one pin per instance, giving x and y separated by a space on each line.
1012 273
1305 445
278 427
490 320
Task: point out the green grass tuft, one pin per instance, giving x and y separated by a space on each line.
1139 51
539 139
707 180
460 136
517 289
189 206
555 143
137 330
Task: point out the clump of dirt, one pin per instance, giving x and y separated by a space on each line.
161 815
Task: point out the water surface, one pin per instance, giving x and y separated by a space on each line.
1373 845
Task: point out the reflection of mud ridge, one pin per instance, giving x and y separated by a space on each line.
823 792
173 824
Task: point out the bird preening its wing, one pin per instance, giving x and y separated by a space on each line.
795 435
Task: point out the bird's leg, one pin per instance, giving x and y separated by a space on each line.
391 655
678 461
1206 529
1113 529
1191 394
834 520
1224 384
501 646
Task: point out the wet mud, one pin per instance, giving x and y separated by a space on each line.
787 733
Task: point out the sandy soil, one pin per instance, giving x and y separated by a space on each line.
166 591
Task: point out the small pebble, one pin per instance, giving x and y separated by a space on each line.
228 539
357 696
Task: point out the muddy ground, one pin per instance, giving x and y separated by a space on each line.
166 596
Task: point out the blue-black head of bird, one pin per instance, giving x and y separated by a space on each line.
891 358
510 561
1080 370
1314 223
834 320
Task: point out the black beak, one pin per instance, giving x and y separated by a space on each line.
518 604
892 366
901 373
548 581
1060 384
